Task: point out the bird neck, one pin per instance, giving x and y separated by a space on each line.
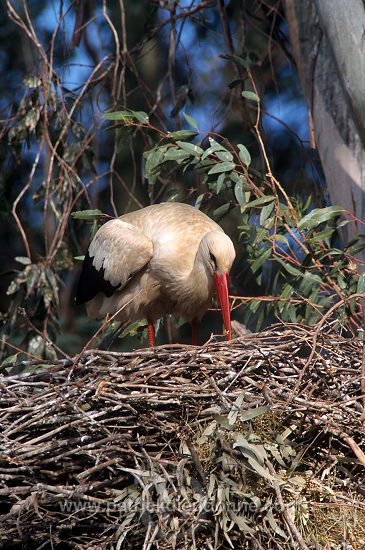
201 280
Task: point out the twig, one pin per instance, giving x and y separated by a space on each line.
284 509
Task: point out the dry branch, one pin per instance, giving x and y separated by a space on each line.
157 448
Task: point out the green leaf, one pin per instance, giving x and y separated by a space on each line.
239 194
261 200
265 212
290 268
214 143
318 216
354 247
79 258
235 83
322 235
190 148
190 120
236 59
261 234
181 134
132 329
220 182
173 153
251 96
141 116
10 359
238 178
254 305
224 155
153 161
313 278
127 116
222 167
361 283
279 238
199 201
87 214
212 150
117 115
23 260
221 211
244 154
261 260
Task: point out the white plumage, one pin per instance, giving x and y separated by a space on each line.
166 258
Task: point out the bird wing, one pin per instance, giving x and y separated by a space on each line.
118 251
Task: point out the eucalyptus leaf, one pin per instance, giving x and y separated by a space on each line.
266 211
274 525
318 216
253 413
221 211
289 268
127 115
176 154
241 522
87 214
199 200
141 116
210 429
190 120
23 260
211 150
222 167
261 260
182 134
224 422
244 154
214 143
220 182
190 148
263 472
236 59
224 155
361 283
251 96
10 359
261 200
257 450
239 194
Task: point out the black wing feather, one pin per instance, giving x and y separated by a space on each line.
91 282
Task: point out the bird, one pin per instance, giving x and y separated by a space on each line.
167 258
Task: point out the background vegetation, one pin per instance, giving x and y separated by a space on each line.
110 106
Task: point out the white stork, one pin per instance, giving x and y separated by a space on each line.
168 258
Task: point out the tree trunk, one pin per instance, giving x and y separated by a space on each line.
328 41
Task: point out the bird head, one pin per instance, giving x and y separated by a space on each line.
218 254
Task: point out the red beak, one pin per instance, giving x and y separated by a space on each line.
221 283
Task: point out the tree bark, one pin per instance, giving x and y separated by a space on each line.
328 41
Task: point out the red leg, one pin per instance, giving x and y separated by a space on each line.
151 334
194 332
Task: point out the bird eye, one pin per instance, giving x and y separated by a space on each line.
214 260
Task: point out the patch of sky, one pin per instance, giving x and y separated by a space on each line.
286 105
76 72
204 67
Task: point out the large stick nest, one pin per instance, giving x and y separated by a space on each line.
256 443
